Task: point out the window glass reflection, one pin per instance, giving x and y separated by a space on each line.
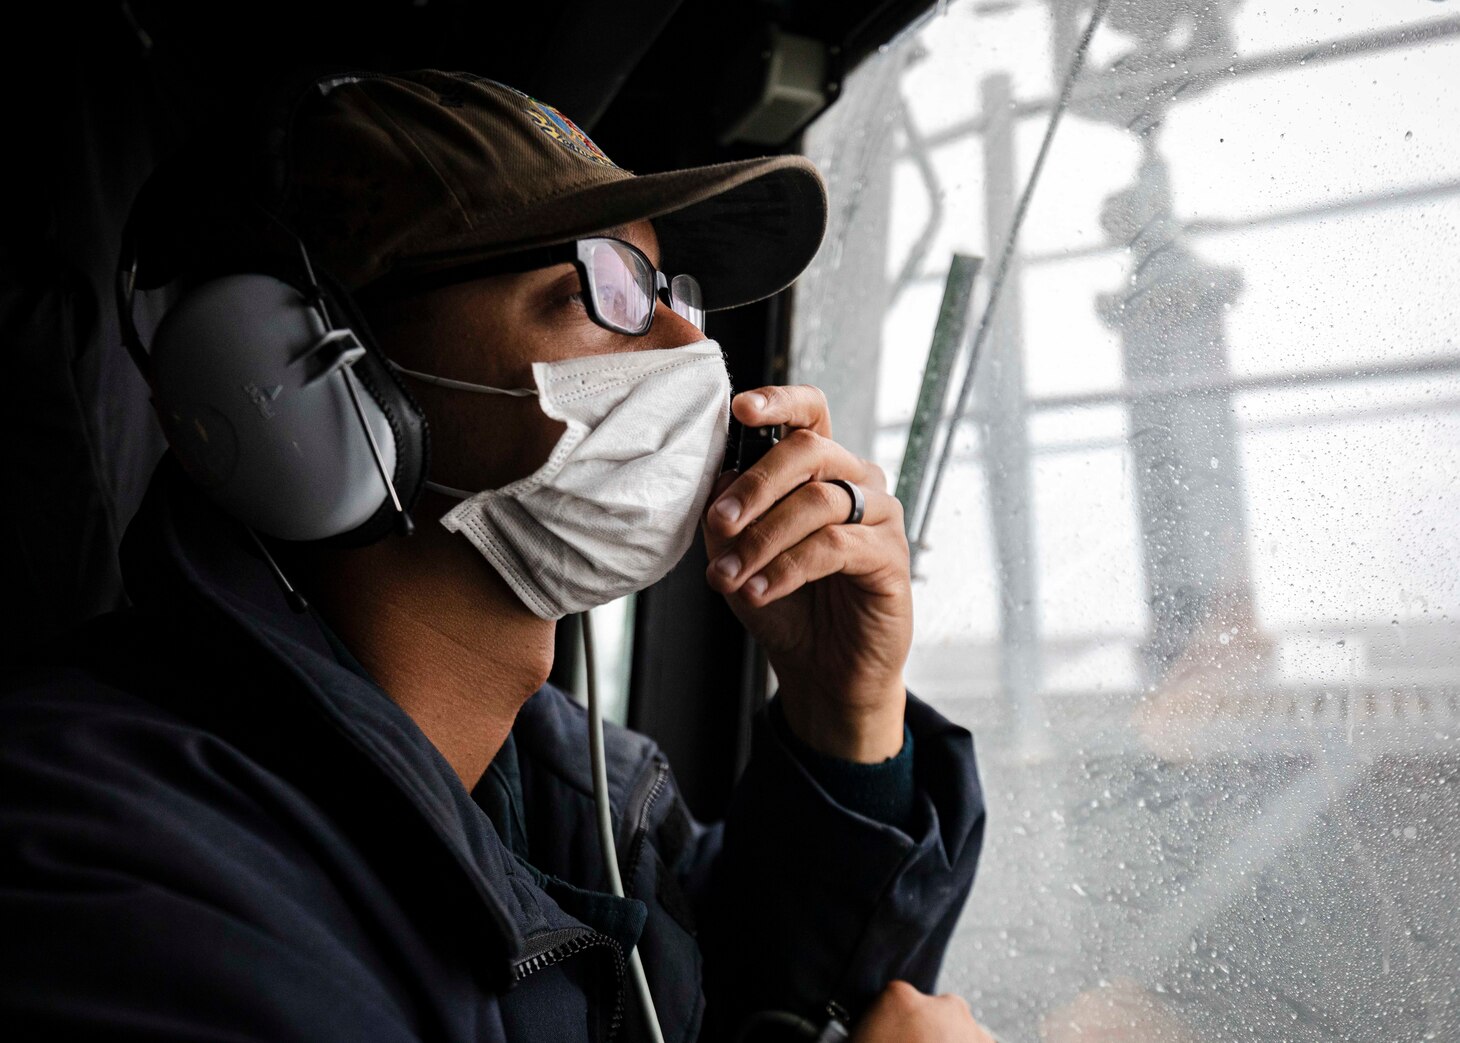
1193 573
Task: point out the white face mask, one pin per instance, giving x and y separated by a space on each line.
619 499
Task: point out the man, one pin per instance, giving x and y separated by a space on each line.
223 819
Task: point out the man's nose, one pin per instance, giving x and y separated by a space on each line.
670 329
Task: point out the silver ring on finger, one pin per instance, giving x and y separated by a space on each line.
859 501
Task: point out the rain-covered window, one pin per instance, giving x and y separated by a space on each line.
1183 469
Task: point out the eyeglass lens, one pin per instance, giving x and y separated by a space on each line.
617 279
621 282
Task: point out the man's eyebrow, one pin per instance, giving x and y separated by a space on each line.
622 232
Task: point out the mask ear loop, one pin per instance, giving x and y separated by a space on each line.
461 385
458 385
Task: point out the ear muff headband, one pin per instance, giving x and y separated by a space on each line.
278 402
406 421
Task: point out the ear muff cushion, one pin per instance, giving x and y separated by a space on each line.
407 423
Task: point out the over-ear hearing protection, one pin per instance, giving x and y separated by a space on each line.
274 396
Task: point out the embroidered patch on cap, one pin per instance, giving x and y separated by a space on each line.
565 132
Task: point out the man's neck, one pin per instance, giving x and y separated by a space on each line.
441 632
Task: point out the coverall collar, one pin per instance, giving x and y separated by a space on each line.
286 697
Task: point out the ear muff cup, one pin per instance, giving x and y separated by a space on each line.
255 401
407 422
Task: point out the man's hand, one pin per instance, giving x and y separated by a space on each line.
831 603
902 1014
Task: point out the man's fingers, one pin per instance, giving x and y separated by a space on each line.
802 456
779 525
798 405
813 506
853 550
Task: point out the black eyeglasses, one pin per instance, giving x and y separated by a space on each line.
620 285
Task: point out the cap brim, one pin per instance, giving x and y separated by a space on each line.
751 234
745 229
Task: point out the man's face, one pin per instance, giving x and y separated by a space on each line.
490 331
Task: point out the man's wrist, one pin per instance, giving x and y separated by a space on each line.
864 731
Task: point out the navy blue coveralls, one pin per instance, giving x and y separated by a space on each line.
212 828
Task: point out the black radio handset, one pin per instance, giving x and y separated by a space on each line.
755 442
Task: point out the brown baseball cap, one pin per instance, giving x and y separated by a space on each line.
404 178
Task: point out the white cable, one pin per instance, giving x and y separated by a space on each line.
605 822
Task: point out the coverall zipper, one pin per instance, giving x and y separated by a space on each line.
659 780
557 946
